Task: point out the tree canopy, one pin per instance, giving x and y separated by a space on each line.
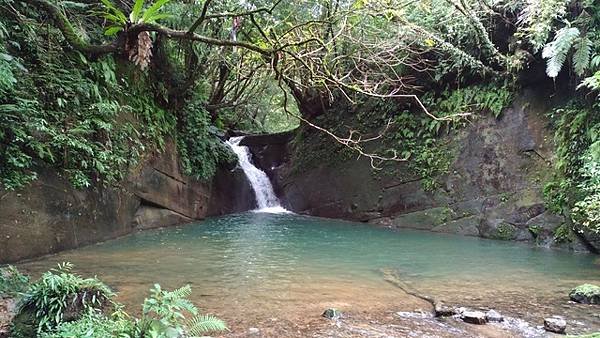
88 87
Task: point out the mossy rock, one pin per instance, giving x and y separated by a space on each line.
590 335
586 294
505 232
24 325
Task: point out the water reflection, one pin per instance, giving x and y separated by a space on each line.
252 265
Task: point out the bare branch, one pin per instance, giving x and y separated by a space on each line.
201 18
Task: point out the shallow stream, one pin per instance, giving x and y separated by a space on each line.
257 269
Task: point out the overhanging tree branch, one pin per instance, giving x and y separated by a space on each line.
66 28
184 35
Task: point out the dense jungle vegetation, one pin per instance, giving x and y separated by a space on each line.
89 88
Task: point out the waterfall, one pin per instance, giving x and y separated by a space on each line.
263 190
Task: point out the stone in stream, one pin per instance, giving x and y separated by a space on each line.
556 324
586 294
473 317
493 316
332 313
442 310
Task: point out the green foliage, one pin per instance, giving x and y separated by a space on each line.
60 295
87 122
413 136
489 98
418 138
138 15
505 232
587 290
202 324
592 82
563 234
556 194
164 315
582 55
580 35
537 20
557 50
591 335
12 282
93 325
200 148
535 230
577 183
64 305
586 211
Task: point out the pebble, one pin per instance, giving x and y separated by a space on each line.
473 317
493 316
331 313
556 324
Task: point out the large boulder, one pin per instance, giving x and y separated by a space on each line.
586 294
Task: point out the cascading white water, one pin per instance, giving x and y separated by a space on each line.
263 190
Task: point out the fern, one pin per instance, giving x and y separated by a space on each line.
537 18
202 324
152 15
581 58
592 82
556 51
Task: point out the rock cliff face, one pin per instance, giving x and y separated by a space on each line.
493 188
49 215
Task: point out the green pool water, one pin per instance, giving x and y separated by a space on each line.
254 266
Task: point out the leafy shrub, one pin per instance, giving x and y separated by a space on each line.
164 315
12 282
93 325
61 296
64 305
490 98
563 234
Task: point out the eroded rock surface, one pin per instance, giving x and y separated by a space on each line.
50 215
493 188
556 324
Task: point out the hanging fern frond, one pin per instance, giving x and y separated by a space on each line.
202 324
581 57
556 51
